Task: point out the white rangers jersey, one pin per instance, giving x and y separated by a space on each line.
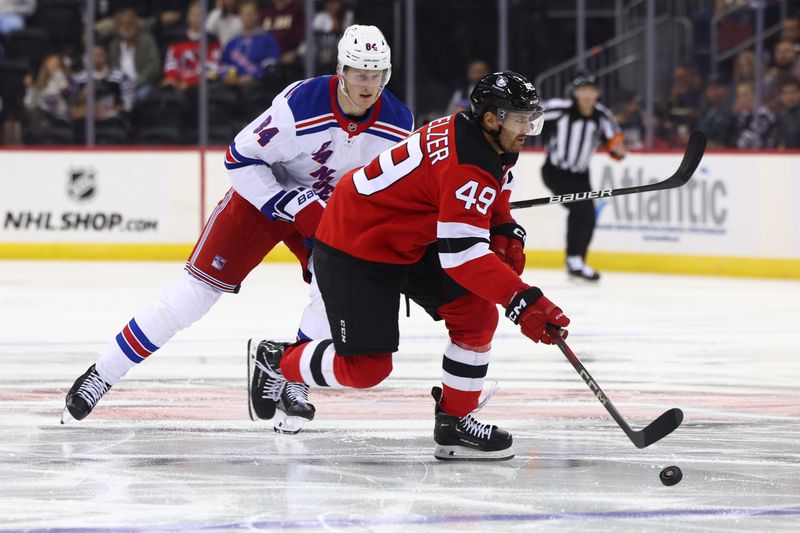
305 140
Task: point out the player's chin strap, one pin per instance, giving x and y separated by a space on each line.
344 89
494 134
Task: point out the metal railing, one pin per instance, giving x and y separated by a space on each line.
611 59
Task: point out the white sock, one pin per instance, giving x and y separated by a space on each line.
463 369
181 304
575 262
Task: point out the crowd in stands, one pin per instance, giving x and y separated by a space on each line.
146 70
724 105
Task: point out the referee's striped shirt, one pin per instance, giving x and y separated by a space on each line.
570 138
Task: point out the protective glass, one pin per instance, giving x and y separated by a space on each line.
365 78
528 123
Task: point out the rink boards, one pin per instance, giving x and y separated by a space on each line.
736 216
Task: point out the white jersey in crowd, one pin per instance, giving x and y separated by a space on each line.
304 139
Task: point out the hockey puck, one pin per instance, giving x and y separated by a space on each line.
671 475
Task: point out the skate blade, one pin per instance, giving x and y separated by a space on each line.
67 418
461 453
251 363
288 424
580 280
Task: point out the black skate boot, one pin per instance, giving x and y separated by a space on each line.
464 438
265 382
585 273
84 395
294 409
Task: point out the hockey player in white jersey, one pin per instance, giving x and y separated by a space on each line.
282 167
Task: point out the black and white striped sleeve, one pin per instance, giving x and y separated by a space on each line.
608 125
459 243
555 108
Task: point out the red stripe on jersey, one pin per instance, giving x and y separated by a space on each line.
390 129
311 122
229 156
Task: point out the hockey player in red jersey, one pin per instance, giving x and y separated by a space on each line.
428 218
282 167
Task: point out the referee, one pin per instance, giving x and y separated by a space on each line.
573 129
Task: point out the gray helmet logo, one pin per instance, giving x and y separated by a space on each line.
501 81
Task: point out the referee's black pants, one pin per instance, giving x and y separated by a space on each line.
581 219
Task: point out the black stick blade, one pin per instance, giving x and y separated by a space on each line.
658 428
691 158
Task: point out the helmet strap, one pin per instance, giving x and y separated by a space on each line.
495 135
343 89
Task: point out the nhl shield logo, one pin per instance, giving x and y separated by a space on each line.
81 184
352 127
218 262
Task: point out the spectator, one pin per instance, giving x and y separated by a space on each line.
476 69
246 57
13 13
753 129
182 67
785 65
135 53
285 20
629 117
169 18
791 32
744 67
685 96
224 21
789 118
328 26
716 118
46 98
49 93
111 89
106 11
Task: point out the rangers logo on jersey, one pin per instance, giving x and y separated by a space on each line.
219 262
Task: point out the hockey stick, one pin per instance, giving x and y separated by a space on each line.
692 157
654 432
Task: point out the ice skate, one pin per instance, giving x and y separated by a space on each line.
579 271
585 273
84 395
293 410
265 382
464 438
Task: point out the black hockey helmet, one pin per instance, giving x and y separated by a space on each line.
581 79
508 92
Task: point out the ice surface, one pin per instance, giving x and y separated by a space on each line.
170 448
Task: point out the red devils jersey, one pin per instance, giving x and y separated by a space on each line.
438 185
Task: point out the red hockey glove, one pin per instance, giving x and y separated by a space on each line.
533 312
307 219
508 243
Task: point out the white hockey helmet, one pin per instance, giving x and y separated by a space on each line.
365 48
